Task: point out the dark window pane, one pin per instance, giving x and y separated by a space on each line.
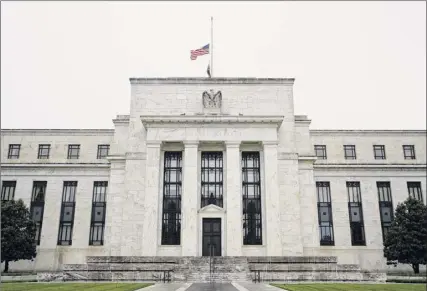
97 224
73 151
8 190
14 151
44 151
379 152
409 152
414 190
324 208
171 217
37 206
385 205
103 150
252 224
355 213
212 179
66 222
320 151
350 152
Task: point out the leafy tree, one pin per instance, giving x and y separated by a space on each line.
17 233
406 240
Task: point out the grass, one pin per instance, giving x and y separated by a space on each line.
72 286
352 287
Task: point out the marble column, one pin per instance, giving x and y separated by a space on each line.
233 200
189 223
271 201
150 238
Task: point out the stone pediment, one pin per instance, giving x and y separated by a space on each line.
211 208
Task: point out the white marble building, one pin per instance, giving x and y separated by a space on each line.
189 173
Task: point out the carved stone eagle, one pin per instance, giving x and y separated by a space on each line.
212 99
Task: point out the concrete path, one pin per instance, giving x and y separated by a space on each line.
211 287
255 287
166 287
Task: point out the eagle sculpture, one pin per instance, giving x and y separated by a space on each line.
212 99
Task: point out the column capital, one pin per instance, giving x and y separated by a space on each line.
270 143
190 143
153 143
232 143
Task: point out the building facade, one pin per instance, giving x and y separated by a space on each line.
202 167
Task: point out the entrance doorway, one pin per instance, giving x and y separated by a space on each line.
211 237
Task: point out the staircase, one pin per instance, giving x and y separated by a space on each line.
215 269
296 269
218 269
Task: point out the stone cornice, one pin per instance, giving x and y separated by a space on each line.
287 156
54 165
371 166
120 121
58 132
323 132
116 158
154 120
307 158
137 155
195 81
190 143
302 119
232 143
272 143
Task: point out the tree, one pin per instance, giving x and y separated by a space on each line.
406 239
18 233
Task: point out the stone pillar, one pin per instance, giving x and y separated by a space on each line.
234 237
189 223
151 202
114 209
271 201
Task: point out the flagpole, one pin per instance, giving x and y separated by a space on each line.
211 47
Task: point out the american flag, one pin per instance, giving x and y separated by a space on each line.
199 52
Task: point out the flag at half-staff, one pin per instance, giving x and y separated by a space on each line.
199 52
209 71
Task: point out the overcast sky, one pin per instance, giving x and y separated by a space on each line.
358 65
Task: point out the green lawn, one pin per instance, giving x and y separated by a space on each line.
352 287
73 286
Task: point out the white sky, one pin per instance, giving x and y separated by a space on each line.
358 65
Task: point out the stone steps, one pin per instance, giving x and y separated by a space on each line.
218 269
304 267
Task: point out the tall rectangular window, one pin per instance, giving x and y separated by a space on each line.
409 152
73 151
251 192
324 209
172 190
66 220
386 206
379 152
320 151
8 190
212 182
350 152
14 150
97 222
103 150
44 151
355 213
37 206
414 190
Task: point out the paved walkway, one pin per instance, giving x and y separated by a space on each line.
211 287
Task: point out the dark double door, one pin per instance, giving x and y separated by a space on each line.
211 237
